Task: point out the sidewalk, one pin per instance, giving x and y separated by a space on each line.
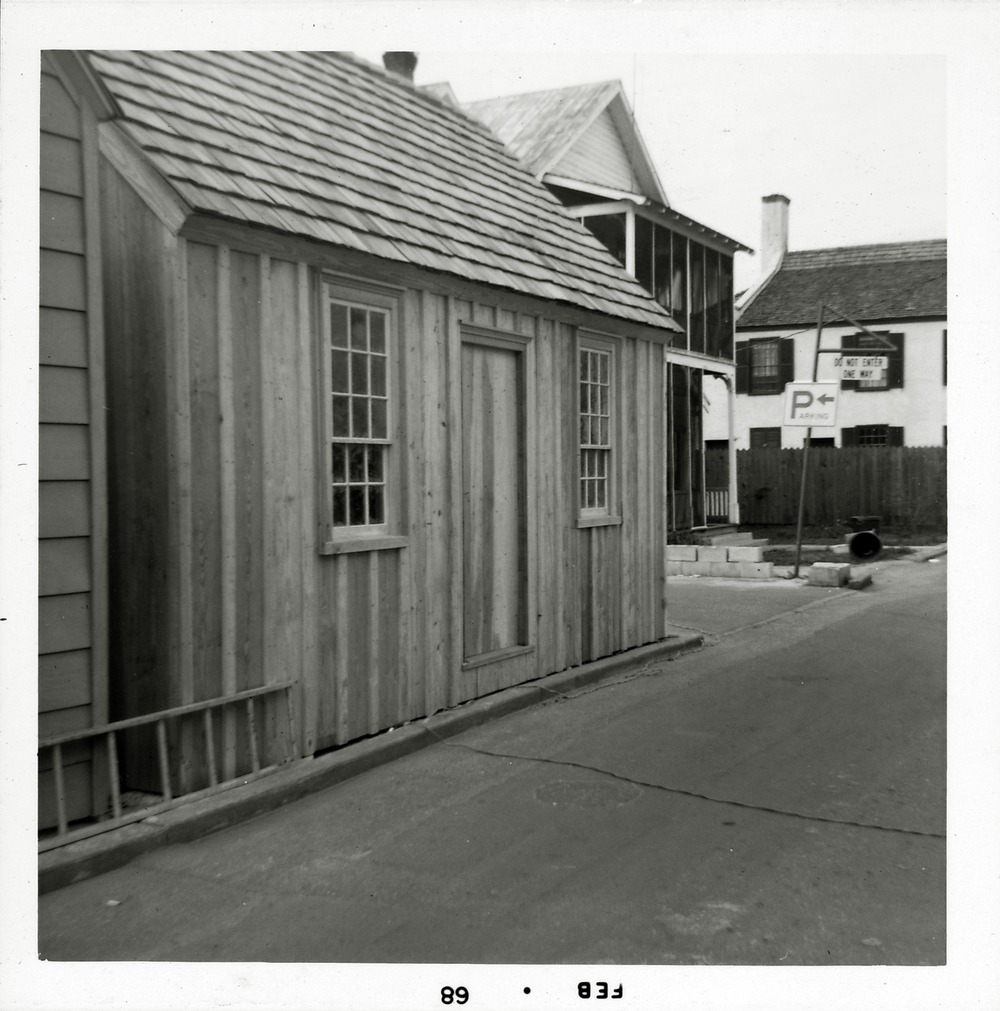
697 607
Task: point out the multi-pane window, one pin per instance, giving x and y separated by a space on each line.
764 367
359 381
595 430
871 435
765 438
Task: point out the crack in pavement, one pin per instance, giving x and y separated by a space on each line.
678 791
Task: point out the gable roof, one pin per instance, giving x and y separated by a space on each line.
558 132
331 148
895 280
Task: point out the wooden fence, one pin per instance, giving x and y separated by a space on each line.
907 485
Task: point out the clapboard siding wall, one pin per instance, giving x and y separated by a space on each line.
72 673
217 365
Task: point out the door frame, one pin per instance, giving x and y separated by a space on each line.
524 347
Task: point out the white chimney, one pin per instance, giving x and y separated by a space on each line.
774 232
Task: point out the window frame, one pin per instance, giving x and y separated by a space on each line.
785 364
774 432
337 539
610 513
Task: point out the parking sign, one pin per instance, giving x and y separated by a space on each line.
811 405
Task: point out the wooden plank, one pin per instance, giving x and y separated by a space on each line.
60 224
60 165
180 527
97 399
63 453
376 668
62 280
77 789
460 681
63 508
227 513
62 337
245 307
413 629
390 703
64 721
64 623
547 523
283 517
63 396
59 112
436 598
63 680
309 445
206 588
63 566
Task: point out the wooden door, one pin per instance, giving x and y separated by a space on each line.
494 493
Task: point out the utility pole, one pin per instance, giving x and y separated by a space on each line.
805 451
887 344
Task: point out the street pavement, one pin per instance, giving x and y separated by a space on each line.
775 798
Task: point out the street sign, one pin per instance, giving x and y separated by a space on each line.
855 367
811 405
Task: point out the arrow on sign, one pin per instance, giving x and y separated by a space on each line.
826 399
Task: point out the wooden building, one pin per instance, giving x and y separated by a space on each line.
72 547
583 143
386 426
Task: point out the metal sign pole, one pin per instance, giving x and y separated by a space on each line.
805 452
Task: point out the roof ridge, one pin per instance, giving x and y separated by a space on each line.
595 85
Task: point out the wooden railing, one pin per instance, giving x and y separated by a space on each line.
717 505
169 796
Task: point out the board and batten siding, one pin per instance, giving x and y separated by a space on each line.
72 531
221 372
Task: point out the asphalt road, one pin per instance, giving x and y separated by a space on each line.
777 798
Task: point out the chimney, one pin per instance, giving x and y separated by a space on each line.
774 232
401 64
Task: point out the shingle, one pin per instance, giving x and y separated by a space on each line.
883 281
328 147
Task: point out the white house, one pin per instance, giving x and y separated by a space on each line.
897 290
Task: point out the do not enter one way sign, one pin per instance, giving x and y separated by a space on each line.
811 405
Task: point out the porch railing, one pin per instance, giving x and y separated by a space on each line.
169 796
717 505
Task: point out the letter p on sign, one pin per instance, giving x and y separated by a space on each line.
811 405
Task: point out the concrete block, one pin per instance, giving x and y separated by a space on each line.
730 570
755 570
674 568
719 554
746 554
829 574
694 568
682 553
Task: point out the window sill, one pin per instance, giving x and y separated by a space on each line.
598 521
379 543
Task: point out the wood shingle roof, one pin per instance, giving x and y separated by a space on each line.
329 147
897 280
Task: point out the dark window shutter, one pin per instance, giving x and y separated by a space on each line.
786 362
894 437
944 357
742 367
848 437
896 362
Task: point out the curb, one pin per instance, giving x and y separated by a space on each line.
100 853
